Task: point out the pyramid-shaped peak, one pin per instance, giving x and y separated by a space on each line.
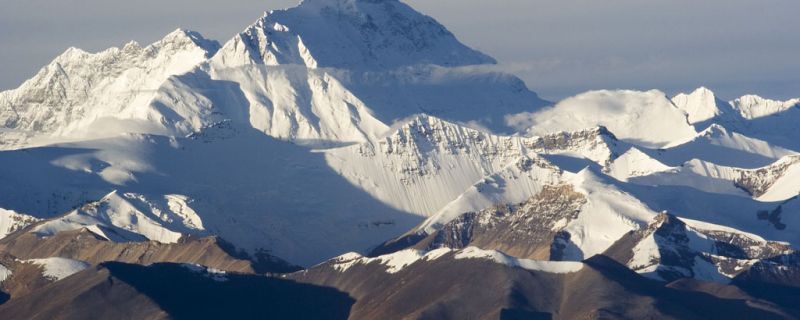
348 34
700 105
703 91
183 38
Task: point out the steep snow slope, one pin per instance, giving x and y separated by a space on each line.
275 197
80 93
647 118
635 163
700 105
427 162
752 106
307 106
671 248
775 221
608 214
11 221
129 217
769 120
347 34
765 119
4 273
698 174
605 214
514 184
59 268
724 147
774 182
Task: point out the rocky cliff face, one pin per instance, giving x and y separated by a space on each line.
670 248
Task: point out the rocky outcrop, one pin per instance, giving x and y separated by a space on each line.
532 229
670 249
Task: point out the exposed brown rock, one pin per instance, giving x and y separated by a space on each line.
85 246
530 230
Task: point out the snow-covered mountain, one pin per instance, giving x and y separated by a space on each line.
645 118
671 248
364 126
90 95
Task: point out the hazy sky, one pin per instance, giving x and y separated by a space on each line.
559 47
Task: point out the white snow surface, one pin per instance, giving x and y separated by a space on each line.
82 94
11 221
128 217
608 214
212 273
700 105
647 119
725 147
427 163
533 265
397 261
348 34
753 107
59 268
394 262
647 253
514 184
786 185
4 273
635 163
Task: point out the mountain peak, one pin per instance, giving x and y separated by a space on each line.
329 3
700 105
714 131
187 38
348 34
77 88
753 106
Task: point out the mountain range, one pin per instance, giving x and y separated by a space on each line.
355 156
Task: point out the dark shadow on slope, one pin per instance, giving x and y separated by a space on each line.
720 155
778 129
522 306
33 184
521 314
186 294
459 95
783 296
722 209
571 164
403 242
678 303
266 184
262 262
260 193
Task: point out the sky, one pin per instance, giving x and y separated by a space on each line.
559 47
